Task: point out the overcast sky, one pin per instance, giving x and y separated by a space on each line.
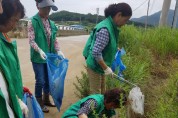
89 6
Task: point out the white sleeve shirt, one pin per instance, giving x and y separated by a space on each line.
3 87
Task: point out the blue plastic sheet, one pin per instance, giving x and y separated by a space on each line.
57 69
118 62
33 106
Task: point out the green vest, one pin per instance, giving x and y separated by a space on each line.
41 39
109 51
71 112
10 68
3 110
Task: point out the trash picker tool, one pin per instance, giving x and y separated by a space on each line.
122 79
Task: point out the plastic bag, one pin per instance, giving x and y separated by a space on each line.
33 106
137 100
118 62
57 69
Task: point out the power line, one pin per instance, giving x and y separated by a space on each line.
140 5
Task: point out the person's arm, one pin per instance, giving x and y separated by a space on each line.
23 107
57 48
86 108
56 45
33 44
5 93
102 39
31 36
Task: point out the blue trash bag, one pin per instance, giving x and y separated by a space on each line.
118 62
33 106
57 69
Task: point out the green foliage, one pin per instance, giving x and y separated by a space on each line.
167 104
82 86
138 58
162 41
149 60
71 16
87 20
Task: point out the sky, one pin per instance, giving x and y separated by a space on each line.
89 6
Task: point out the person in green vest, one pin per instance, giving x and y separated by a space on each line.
42 38
102 45
11 89
97 105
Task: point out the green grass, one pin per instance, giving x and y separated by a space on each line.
151 60
167 101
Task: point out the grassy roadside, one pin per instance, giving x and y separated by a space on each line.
152 63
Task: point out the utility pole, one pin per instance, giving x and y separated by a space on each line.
164 13
146 21
97 13
175 15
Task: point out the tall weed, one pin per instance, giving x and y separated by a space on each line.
147 51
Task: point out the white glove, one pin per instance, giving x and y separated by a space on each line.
60 53
108 71
23 107
42 54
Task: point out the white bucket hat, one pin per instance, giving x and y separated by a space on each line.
48 3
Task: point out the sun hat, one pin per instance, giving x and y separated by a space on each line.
47 3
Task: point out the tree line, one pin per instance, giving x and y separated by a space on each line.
71 16
83 19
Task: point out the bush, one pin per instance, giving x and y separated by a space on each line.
82 86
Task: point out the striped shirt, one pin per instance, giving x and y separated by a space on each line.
102 40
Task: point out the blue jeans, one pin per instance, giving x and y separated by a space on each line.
41 76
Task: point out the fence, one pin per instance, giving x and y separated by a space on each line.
21 32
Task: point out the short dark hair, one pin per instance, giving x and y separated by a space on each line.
11 8
38 1
113 9
114 95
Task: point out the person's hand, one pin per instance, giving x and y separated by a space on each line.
60 53
42 54
23 107
83 116
108 71
26 90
